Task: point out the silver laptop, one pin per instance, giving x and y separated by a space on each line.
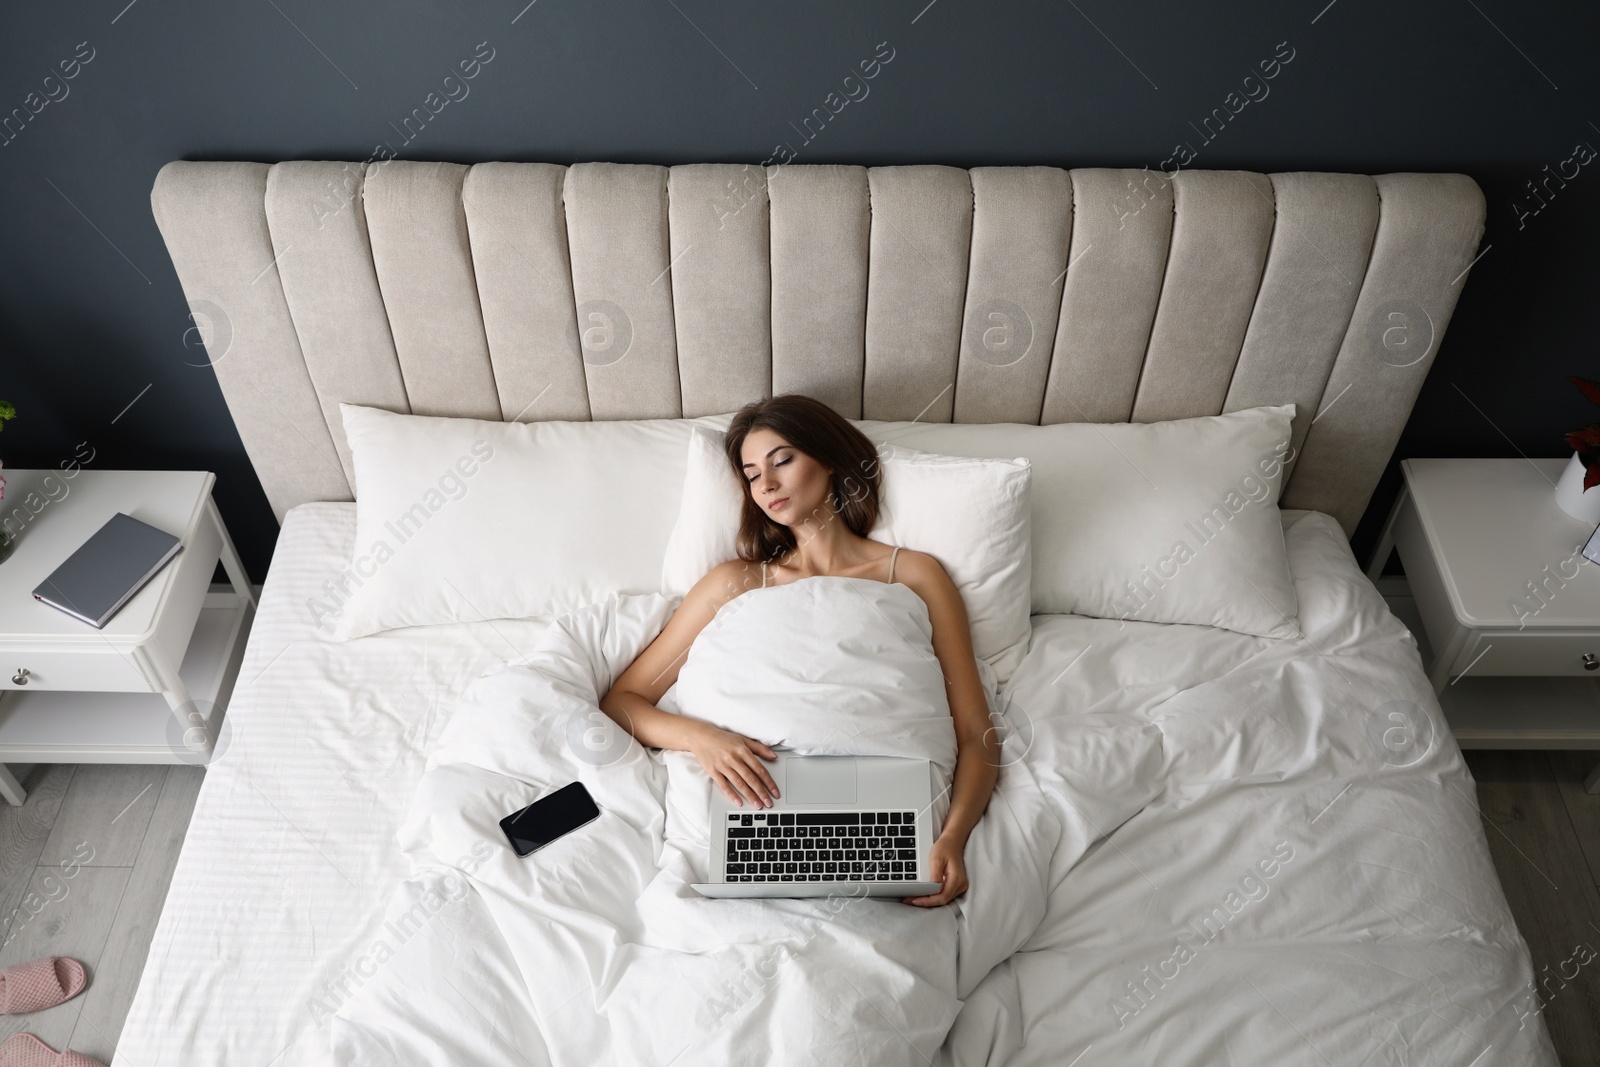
842 826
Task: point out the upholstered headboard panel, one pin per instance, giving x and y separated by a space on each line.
1000 294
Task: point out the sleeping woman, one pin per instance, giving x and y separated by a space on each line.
810 498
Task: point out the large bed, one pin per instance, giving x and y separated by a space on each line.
1381 936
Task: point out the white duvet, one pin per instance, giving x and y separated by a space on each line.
595 950
1204 849
1312 885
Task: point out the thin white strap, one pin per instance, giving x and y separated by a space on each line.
892 556
763 574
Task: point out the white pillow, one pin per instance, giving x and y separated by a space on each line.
1159 522
708 515
972 515
465 519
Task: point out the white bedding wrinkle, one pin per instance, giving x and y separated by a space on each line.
1147 768
1198 933
856 662
290 856
1381 935
624 962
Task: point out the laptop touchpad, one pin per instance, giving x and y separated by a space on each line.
821 780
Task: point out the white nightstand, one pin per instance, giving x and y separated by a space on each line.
152 686
1510 606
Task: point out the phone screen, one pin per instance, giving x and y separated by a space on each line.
549 817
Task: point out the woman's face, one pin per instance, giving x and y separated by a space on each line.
786 483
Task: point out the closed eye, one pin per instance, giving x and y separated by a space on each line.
779 463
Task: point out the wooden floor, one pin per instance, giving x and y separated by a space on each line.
1544 834
84 870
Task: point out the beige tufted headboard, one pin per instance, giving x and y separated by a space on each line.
1000 294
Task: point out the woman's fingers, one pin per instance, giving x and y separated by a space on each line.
736 786
748 784
727 790
952 881
935 874
762 781
954 884
761 769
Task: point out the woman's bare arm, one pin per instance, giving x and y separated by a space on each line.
732 760
977 744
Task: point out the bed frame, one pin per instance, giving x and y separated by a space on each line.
1000 294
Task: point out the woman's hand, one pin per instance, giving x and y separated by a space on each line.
947 865
734 763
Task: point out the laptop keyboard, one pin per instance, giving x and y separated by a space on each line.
822 846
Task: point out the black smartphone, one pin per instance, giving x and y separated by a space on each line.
549 817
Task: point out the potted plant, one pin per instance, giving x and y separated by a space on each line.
1576 492
7 542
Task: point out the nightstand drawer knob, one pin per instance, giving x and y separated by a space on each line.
1590 663
21 677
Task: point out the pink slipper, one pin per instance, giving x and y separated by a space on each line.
25 1050
41 984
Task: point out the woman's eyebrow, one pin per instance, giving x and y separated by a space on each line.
769 452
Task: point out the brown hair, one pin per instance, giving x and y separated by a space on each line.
826 436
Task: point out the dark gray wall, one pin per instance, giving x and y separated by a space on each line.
91 313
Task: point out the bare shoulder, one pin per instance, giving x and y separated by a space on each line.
722 583
655 669
912 567
952 635
927 578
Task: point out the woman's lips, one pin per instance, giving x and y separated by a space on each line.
777 504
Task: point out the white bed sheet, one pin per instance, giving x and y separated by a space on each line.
290 857
1385 939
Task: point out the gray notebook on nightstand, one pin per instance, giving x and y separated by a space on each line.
103 575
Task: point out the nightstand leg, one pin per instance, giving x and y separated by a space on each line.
1380 555
188 715
1439 675
230 558
1443 659
1591 784
10 788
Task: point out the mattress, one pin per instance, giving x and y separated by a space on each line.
1380 934
290 856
